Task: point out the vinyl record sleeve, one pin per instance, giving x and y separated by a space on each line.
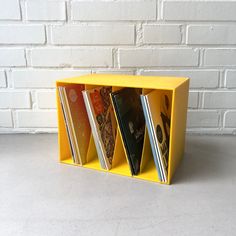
158 106
102 121
131 121
79 119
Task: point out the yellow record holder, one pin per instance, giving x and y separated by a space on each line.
179 88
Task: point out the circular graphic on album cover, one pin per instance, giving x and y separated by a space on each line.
159 134
72 95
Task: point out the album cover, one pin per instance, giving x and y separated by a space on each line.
128 108
78 118
67 124
157 110
102 120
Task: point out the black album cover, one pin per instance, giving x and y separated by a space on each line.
129 112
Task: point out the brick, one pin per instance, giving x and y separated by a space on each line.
117 72
230 119
158 57
211 34
199 10
12 57
36 119
3 82
231 79
10 10
202 119
22 34
220 99
25 78
193 99
161 34
6 119
220 57
114 10
46 99
198 78
54 57
46 10
93 35
15 99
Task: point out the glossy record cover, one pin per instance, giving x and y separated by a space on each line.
79 117
103 116
159 109
131 121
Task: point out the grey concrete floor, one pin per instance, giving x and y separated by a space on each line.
39 196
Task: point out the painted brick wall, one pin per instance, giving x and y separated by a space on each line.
41 41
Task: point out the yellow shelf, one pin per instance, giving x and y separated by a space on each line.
177 85
69 162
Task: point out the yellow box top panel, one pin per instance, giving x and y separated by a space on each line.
136 81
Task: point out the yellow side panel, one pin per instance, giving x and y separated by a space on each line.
178 127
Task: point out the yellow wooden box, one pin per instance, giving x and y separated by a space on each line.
179 88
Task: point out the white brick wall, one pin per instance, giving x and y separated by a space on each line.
158 57
12 57
114 10
193 99
45 10
46 99
203 119
42 41
199 79
211 34
230 119
101 35
22 34
41 78
199 10
10 10
220 99
36 119
161 34
15 99
67 57
2 79
220 57
231 79
5 119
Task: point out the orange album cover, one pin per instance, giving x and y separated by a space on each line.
79 118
